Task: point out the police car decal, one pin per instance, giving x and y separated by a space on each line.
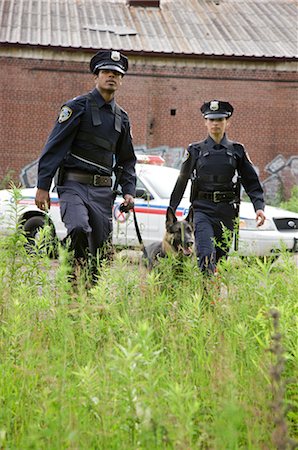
142 208
31 201
146 209
65 114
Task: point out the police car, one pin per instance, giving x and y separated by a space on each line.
155 183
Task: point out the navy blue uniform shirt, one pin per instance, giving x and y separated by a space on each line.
57 150
244 167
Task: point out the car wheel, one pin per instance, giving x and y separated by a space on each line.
32 227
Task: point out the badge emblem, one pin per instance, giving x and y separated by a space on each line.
214 106
115 56
65 114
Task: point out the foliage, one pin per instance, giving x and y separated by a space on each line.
7 179
146 360
292 203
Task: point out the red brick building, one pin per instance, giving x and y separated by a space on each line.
181 53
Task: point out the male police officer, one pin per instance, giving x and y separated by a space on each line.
91 137
214 166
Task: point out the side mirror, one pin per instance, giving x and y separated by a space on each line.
142 193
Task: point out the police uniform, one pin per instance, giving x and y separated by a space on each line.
215 171
90 138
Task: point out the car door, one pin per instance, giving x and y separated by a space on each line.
124 231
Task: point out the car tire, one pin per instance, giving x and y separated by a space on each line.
31 227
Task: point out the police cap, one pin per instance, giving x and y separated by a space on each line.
216 109
109 60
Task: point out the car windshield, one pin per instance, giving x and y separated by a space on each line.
161 180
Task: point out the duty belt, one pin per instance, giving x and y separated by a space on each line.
217 196
87 178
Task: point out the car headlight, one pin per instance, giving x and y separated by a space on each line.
251 224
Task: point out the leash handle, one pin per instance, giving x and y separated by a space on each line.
126 209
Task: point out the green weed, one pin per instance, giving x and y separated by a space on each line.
144 360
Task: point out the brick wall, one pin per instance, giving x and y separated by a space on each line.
162 101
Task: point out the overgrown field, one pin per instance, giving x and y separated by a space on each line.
147 360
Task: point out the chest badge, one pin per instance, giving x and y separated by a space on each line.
65 114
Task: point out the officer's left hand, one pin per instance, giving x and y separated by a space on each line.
260 217
128 201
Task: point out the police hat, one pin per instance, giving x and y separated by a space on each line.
109 60
216 109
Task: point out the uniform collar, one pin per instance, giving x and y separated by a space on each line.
101 101
223 142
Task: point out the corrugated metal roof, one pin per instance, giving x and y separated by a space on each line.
245 28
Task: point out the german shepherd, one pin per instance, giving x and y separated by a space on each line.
178 239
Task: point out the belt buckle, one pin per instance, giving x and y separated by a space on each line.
215 196
96 180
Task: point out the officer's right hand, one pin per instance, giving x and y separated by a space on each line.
42 200
260 217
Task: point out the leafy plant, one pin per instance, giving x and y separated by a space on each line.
292 203
143 360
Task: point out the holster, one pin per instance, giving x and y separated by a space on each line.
194 189
59 176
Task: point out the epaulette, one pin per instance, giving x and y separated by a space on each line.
197 144
80 99
237 143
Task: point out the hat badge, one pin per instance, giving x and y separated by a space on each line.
115 56
214 106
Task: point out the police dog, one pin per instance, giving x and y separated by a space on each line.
178 239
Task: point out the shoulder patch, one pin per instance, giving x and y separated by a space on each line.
65 114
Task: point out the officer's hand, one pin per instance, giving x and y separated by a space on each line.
42 200
260 217
128 203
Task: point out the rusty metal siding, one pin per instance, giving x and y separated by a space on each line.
261 28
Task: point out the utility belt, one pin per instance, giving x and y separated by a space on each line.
87 178
216 196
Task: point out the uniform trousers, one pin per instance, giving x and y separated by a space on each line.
87 214
211 240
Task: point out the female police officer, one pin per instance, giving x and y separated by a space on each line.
91 134
215 165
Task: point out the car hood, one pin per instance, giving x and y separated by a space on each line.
247 211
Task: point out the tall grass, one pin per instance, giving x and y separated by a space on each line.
146 360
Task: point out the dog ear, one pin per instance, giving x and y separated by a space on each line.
170 217
189 217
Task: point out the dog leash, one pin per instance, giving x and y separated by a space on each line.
137 228
135 221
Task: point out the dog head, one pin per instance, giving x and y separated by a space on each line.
179 236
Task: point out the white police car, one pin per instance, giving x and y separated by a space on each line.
154 186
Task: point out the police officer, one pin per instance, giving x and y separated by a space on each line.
90 139
215 166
